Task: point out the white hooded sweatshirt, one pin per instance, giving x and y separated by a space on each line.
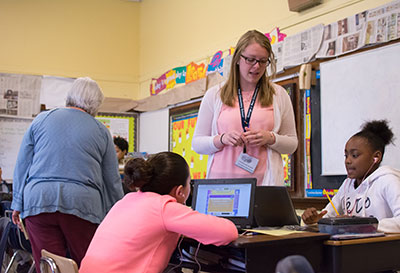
378 195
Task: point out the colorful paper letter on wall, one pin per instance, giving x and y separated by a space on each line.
159 85
180 73
195 72
170 79
216 63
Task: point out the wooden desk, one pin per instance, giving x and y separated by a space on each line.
362 255
262 252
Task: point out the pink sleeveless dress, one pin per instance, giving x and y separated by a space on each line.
223 165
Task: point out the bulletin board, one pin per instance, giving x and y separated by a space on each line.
182 124
123 125
289 159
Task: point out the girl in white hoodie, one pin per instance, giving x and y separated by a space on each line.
369 189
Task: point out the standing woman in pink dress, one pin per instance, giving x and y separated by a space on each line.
247 122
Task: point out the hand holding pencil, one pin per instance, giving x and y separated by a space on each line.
311 215
330 201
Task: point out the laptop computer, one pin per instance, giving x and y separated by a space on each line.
274 208
231 198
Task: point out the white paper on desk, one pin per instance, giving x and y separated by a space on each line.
274 232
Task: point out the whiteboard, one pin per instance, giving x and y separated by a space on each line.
355 89
12 131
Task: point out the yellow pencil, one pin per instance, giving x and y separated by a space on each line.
326 193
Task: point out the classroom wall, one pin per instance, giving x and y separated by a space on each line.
176 32
72 38
124 44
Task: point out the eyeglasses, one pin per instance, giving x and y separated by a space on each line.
253 61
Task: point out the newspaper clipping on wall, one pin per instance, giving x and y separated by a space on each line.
19 95
373 26
302 47
383 23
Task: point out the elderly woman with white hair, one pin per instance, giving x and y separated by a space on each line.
66 177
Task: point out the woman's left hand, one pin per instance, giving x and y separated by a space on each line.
258 137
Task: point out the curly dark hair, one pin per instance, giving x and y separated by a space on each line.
121 143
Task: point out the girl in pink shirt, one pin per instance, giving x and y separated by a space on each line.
142 230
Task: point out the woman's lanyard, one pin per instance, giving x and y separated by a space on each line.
246 119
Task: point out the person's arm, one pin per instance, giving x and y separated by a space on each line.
203 139
206 229
21 170
286 138
311 215
111 177
391 193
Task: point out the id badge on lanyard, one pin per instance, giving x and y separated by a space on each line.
245 161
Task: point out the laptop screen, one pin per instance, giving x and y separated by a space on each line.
228 198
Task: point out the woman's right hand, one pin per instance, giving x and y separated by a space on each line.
311 216
232 138
15 218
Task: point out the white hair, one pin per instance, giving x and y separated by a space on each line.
86 94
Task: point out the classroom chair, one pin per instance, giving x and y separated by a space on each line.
294 264
5 226
5 207
52 263
20 247
16 241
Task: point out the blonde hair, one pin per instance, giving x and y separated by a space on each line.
266 91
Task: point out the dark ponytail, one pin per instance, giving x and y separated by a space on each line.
377 133
159 173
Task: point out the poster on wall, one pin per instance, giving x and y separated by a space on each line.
181 133
121 125
287 169
288 159
12 130
19 95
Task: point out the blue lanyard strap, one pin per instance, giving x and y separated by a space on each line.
246 119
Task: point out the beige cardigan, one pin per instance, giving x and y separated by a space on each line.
284 131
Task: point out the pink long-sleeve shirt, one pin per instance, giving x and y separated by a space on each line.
141 231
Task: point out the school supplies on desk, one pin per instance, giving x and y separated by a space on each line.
350 236
273 232
348 224
330 201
